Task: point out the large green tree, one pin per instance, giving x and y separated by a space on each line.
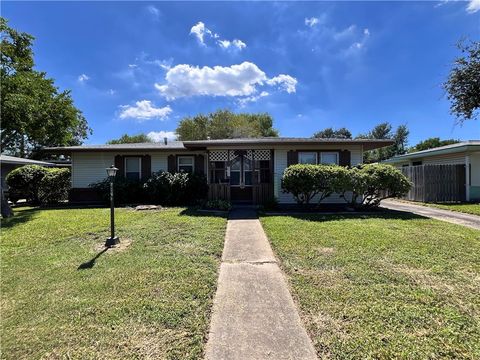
34 111
131 139
431 143
463 83
330 133
224 124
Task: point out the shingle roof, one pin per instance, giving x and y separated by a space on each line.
7 159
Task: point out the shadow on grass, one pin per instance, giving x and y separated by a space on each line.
203 213
19 217
91 263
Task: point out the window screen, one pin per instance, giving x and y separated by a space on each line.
132 168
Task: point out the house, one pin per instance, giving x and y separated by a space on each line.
456 165
8 163
239 170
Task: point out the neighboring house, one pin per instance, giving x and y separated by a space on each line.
464 156
8 163
240 170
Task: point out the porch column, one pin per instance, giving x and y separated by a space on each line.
467 177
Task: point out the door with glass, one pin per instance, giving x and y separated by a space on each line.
241 177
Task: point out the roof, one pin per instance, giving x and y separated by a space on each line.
367 144
6 159
469 145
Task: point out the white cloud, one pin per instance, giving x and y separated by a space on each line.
254 98
159 136
111 92
473 6
311 21
236 80
153 10
144 110
201 32
83 77
132 66
366 32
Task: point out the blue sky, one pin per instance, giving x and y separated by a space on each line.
141 67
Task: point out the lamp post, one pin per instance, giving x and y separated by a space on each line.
112 240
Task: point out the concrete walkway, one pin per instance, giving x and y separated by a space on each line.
254 316
472 221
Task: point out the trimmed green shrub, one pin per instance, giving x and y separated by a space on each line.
24 182
54 186
125 191
222 205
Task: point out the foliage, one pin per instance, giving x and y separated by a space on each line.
125 191
131 139
222 205
463 84
224 124
176 188
24 182
270 204
305 181
330 133
54 186
366 186
431 143
34 112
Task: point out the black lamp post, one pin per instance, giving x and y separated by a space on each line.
112 240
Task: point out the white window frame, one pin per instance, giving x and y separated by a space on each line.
308 152
186 157
337 161
139 165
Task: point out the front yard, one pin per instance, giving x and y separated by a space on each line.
382 286
473 209
62 296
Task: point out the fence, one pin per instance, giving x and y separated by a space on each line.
436 183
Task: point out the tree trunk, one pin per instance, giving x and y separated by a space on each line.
6 210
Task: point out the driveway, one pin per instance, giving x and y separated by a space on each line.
472 221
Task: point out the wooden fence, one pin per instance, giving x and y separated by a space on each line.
436 183
219 192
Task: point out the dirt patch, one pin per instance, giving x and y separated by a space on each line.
326 250
122 246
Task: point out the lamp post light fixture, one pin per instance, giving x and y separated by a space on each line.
112 240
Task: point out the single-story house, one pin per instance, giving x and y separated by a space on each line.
465 155
239 170
8 163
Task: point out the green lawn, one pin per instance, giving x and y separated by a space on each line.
383 286
464 208
62 297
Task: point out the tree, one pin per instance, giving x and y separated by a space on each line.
34 112
463 83
431 143
330 133
131 139
224 124
401 141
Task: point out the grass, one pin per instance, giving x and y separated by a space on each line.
382 286
473 209
63 296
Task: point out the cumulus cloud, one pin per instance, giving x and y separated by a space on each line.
144 110
254 98
83 77
153 10
158 136
236 80
311 21
202 33
473 6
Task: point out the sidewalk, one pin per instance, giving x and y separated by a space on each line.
254 316
472 221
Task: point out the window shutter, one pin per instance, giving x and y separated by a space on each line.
120 165
172 163
292 158
146 166
344 158
199 164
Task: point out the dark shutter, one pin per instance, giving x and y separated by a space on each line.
146 166
344 158
292 158
172 163
200 164
120 165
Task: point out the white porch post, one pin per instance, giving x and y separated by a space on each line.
467 177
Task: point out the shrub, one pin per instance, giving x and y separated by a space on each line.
54 186
222 205
25 181
125 191
369 184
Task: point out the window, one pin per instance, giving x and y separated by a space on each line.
307 158
262 167
218 172
132 167
185 164
416 163
329 158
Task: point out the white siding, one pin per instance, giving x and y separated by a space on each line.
475 169
280 164
88 168
457 158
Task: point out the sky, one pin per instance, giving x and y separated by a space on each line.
140 67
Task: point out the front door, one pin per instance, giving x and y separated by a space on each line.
241 178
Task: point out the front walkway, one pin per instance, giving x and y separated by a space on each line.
472 221
254 316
